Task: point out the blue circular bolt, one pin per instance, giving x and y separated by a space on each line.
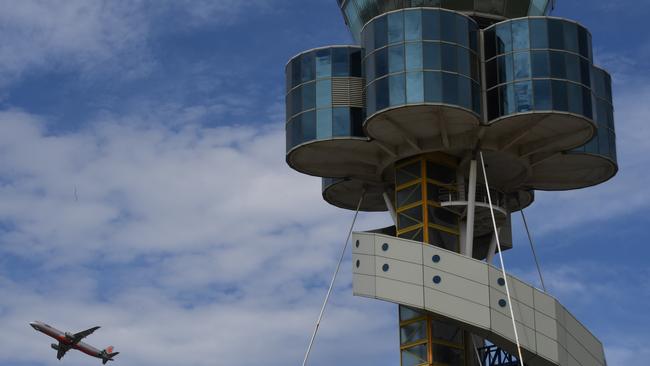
437 279
501 281
384 247
385 267
435 258
503 303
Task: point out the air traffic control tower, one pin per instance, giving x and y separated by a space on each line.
439 103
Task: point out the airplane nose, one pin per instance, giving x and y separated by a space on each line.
34 325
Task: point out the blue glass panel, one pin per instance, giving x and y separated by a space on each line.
574 92
506 68
584 43
397 86
587 110
381 62
449 88
560 98
296 101
308 96
432 87
381 32
340 62
524 96
504 38
491 74
308 126
431 55
573 67
507 98
371 99
287 74
324 123
585 72
540 64
431 25
476 98
396 58
355 62
538 33
414 87
493 104
295 71
357 121
558 65
473 37
382 93
369 37
323 63
462 30
323 93
538 7
395 27
448 27
474 67
556 34
371 74
571 37
414 56
307 66
542 92
412 25
465 92
341 122
449 57
463 61
520 36
522 65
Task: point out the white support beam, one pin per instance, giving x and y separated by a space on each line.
467 247
492 249
391 208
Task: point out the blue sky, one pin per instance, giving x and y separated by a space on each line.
143 188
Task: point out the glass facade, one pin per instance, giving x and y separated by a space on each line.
324 95
538 64
604 143
421 56
358 12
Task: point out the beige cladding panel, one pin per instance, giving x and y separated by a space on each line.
394 248
399 292
457 286
545 328
456 263
406 272
456 308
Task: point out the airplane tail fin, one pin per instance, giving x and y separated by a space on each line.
108 354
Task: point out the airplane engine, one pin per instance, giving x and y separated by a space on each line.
55 346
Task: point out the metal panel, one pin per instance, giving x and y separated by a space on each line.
456 308
408 251
502 325
546 325
523 313
399 292
363 285
363 243
548 348
406 272
457 286
456 263
544 303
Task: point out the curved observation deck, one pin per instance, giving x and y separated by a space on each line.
592 163
358 12
325 114
422 80
471 294
538 86
345 193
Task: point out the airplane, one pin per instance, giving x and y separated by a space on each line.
68 341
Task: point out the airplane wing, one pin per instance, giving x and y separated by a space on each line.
81 335
61 350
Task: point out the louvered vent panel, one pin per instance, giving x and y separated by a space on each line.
347 92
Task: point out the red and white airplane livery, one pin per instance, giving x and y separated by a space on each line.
68 341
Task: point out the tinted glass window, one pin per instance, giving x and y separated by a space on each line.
504 38
414 87
431 55
493 104
524 96
340 64
355 62
382 95
381 62
584 43
395 27
448 26
520 37
308 126
433 87
295 71
464 92
323 63
558 67
414 56
324 123
449 88
307 67
449 57
396 58
506 68
571 37
540 64
574 92
573 67
308 96
381 32
462 30
490 43
412 25
538 33
507 99
463 61
585 74
431 25
397 90
369 37
323 93
491 73
560 98
371 98
556 34
522 65
341 122
542 91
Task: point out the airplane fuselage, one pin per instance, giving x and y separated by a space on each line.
63 339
